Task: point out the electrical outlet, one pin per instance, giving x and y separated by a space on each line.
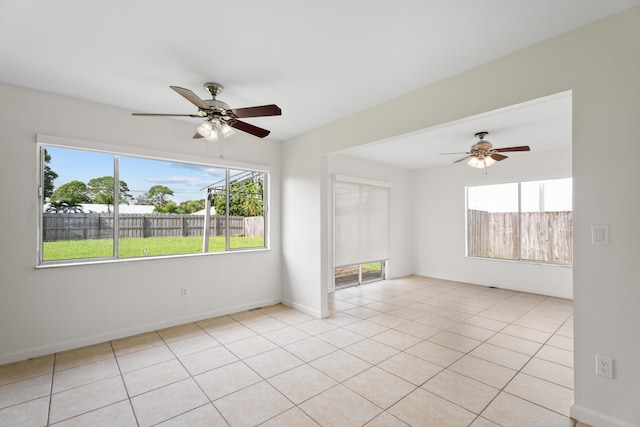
604 366
184 292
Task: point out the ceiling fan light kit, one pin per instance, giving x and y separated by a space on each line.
480 163
220 118
211 129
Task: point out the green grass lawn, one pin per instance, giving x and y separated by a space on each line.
372 266
139 247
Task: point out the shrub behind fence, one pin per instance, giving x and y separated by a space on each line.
83 226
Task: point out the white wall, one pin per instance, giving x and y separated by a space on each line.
51 309
600 63
440 232
301 272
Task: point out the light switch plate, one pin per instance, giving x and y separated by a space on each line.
599 234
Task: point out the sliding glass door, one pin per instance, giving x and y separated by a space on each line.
361 230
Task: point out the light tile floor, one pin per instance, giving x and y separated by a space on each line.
413 351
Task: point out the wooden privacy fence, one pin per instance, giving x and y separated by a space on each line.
83 226
544 236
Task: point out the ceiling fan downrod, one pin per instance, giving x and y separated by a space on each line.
214 89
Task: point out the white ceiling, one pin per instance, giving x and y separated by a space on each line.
542 124
318 60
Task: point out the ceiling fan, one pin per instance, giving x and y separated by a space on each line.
219 118
482 154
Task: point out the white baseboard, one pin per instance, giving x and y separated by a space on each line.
400 275
549 293
596 419
303 308
122 333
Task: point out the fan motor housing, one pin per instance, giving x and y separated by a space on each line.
482 146
214 104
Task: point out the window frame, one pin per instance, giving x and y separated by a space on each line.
43 141
519 222
359 276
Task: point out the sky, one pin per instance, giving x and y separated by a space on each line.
556 196
140 174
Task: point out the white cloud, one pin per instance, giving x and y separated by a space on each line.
189 180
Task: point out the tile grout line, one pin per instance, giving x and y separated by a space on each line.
192 377
442 369
338 383
211 402
502 390
476 416
53 372
135 416
495 333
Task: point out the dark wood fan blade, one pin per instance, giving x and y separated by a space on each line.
463 159
497 157
166 115
507 149
191 97
197 135
259 111
249 128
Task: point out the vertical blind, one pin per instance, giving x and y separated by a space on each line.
361 221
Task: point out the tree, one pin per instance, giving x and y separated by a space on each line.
101 191
191 206
184 208
245 199
49 176
72 194
219 201
252 203
158 195
170 208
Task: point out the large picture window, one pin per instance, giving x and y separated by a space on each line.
527 221
157 207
